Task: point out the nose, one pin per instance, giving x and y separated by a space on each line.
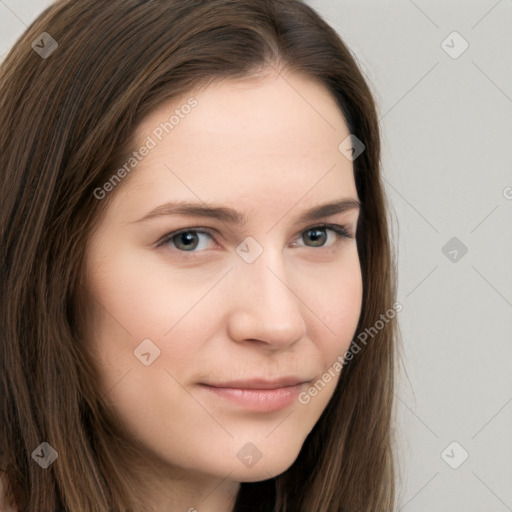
264 306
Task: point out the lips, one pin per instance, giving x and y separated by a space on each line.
259 383
255 395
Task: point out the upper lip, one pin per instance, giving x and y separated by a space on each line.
259 383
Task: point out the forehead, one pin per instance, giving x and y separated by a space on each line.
266 137
274 110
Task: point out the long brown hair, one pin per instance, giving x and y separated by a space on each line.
66 121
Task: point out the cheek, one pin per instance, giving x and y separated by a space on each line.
332 333
343 309
137 298
338 305
142 295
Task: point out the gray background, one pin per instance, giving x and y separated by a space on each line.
447 133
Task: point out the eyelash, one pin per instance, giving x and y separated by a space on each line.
341 231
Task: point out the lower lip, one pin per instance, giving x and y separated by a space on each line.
260 400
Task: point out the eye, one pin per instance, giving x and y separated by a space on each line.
318 234
189 240
186 240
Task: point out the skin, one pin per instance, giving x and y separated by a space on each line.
269 152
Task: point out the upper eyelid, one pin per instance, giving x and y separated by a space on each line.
207 229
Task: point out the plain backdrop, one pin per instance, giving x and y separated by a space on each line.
441 72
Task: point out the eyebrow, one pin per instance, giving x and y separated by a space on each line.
231 216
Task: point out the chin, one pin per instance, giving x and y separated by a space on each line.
263 471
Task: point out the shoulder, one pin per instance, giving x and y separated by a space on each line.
5 506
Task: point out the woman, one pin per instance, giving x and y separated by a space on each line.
195 251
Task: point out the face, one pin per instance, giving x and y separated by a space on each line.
197 311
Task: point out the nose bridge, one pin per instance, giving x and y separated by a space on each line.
266 306
267 275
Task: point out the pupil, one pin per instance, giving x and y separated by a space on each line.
188 239
316 234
